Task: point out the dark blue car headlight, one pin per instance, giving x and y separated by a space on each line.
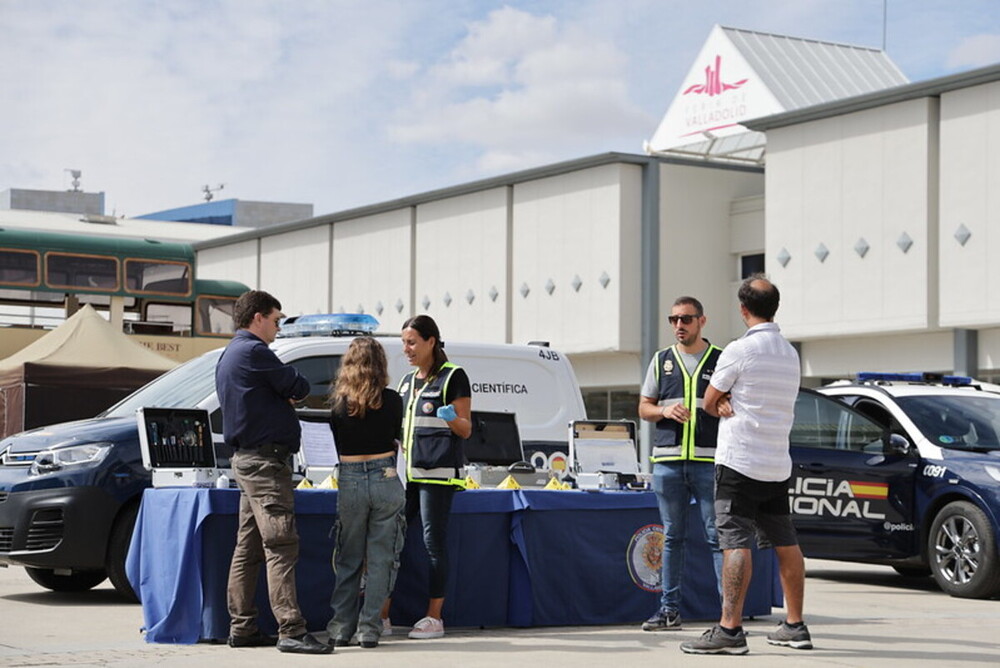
72 457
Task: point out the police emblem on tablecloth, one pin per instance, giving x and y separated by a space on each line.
645 556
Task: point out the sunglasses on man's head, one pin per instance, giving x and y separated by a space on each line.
686 319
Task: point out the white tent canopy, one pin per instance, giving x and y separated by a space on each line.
76 370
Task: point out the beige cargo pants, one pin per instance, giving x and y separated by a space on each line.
266 534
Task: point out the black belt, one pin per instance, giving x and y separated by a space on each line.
275 450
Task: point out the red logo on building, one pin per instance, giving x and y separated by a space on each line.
713 82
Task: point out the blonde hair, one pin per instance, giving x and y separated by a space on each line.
362 377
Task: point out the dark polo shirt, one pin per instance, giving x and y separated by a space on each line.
254 387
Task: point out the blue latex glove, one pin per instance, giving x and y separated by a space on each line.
447 413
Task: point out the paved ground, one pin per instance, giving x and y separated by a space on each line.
859 616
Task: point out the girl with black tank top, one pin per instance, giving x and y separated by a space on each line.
366 420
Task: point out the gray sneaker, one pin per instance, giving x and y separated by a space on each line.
717 641
663 620
796 637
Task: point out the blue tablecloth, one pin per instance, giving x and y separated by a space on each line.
518 558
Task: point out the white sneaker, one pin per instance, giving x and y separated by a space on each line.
427 628
386 627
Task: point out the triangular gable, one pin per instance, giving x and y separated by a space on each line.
741 74
719 91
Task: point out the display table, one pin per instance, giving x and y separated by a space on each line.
518 558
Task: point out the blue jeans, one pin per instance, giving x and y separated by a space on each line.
433 504
675 483
370 530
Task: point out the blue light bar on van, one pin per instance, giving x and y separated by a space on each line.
915 377
328 324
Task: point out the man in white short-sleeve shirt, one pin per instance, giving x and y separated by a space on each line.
753 391
760 371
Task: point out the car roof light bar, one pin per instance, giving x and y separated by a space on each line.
328 324
914 377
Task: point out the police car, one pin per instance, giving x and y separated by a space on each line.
904 470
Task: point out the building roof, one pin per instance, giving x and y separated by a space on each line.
928 88
743 74
109 226
242 213
509 179
806 72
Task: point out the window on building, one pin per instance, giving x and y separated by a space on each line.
609 404
751 264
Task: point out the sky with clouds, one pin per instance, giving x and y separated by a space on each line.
343 103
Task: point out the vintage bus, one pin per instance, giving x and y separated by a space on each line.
147 287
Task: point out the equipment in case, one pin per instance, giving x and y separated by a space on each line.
523 472
603 455
176 445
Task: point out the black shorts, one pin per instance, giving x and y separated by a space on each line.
745 508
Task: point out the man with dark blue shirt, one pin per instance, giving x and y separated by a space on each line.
256 395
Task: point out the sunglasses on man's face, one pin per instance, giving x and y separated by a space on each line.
686 319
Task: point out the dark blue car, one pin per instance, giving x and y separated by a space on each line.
902 471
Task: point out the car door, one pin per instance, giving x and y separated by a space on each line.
849 498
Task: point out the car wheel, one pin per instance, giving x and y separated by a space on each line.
963 553
118 544
75 581
912 571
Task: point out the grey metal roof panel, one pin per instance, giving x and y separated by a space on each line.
804 72
745 147
878 98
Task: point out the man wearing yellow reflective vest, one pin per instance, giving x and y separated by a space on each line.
683 449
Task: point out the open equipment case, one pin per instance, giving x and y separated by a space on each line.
603 455
176 445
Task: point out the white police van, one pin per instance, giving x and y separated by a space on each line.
908 476
69 493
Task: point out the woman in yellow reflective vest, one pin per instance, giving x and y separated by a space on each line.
437 416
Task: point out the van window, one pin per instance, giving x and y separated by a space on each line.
18 267
320 372
96 272
158 277
167 318
214 315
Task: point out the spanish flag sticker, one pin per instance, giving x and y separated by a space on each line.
869 490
